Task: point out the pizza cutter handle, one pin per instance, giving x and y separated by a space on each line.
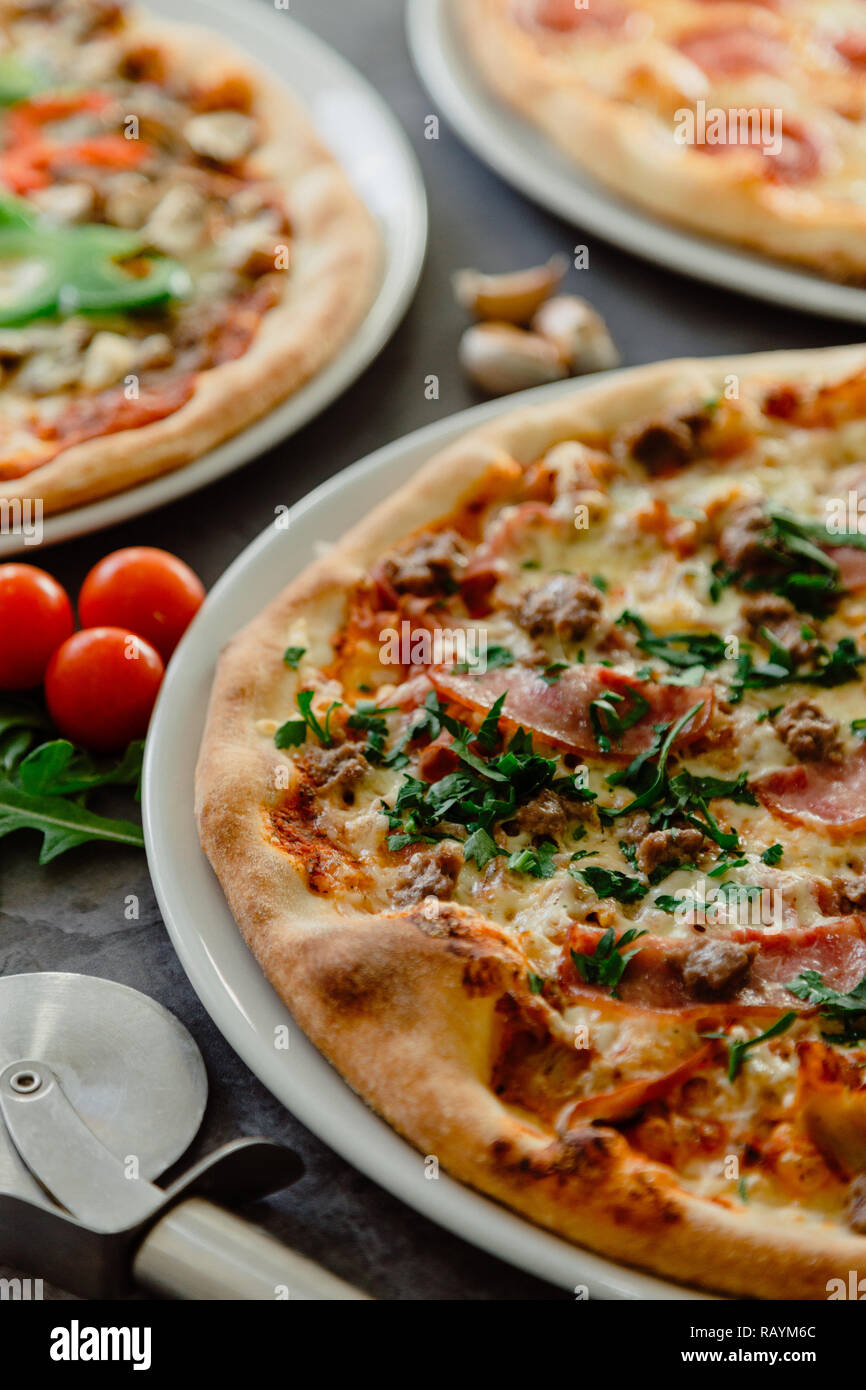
201 1251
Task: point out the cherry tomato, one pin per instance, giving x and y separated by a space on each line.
35 617
101 685
145 590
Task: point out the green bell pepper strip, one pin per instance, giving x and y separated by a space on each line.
83 268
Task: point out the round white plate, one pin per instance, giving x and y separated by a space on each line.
224 973
356 125
531 162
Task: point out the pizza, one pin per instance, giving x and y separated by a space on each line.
745 122
178 253
541 800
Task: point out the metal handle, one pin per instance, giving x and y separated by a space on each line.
201 1251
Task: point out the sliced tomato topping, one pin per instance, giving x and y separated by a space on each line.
561 713
801 155
728 49
827 796
653 978
109 412
31 156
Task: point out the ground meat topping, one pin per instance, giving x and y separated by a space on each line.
808 732
335 767
849 893
742 543
430 567
665 444
564 604
544 815
669 847
716 967
782 621
428 873
855 1208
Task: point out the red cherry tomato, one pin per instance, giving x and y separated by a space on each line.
145 590
101 685
35 617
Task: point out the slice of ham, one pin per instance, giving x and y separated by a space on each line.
827 796
852 566
560 713
634 1095
831 1102
852 47
653 978
729 49
802 154
564 16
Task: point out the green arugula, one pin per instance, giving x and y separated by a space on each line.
46 788
681 649
830 668
606 965
609 723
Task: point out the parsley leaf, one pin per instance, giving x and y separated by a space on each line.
294 732
772 854
848 1010
537 862
683 649
610 883
606 965
292 655
738 1049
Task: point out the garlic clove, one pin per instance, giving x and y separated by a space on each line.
579 334
510 298
499 358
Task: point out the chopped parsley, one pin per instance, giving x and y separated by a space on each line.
680 649
294 732
606 965
772 854
739 1048
536 982
610 883
609 722
847 1010
537 862
830 668
495 656
369 718
292 655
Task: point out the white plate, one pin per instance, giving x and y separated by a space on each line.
353 121
531 162
224 973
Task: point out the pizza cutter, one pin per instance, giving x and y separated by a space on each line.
102 1090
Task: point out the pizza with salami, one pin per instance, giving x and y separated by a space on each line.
541 799
178 253
743 121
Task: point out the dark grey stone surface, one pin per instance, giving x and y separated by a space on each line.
69 916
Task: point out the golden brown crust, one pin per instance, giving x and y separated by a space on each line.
620 146
335 268
409 1010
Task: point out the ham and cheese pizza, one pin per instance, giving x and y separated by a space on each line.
541 799
744 121
178 253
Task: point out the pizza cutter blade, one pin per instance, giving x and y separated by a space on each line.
101 1090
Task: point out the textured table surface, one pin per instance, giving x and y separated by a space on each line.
69 915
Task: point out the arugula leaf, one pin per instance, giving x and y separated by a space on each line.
606 720
830 668
606 966
681 649
58 768
610 883
844 1009
62 823
738 1049
292 656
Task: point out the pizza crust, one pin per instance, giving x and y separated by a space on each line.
616 143
336 260
405 1006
